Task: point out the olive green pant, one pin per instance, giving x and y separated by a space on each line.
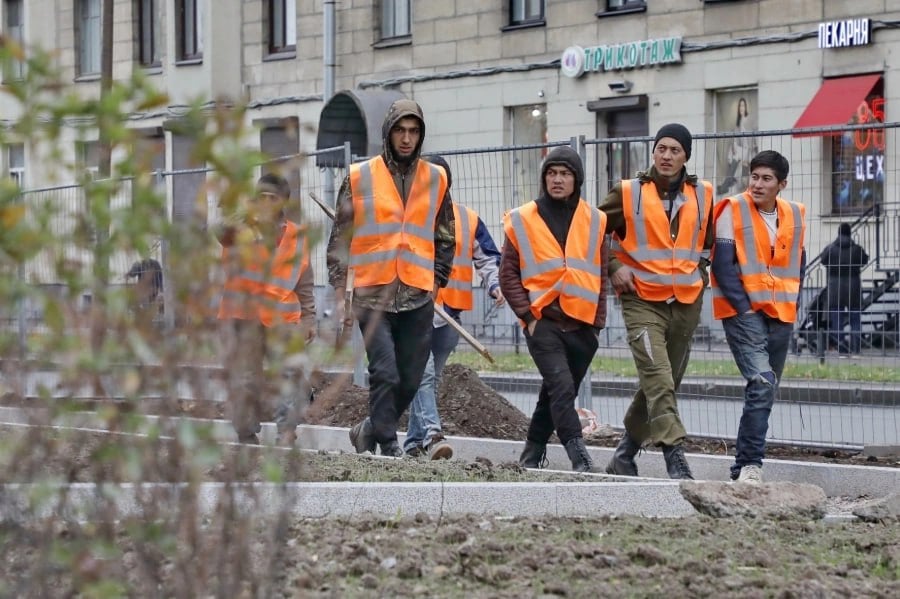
659 335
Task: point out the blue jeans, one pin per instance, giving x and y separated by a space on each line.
835 318
760 345
424 422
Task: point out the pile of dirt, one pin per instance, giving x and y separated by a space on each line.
467 406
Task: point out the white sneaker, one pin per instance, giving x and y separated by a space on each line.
750 474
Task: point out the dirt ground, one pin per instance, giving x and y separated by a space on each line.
471 557
231 554
467 406
235 554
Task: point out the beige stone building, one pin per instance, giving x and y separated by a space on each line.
513 73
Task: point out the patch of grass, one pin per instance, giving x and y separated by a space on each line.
510 362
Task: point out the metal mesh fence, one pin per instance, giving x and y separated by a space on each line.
856 405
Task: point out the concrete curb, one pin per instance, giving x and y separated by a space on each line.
87 501
598 495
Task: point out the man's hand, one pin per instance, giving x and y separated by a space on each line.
434 291
499 300
531 326
623 280
338 313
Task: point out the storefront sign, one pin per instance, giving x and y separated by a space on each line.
577 60
843 34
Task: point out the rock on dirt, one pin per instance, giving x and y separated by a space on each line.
884 510
767 500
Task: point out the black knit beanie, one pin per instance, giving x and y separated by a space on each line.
567 157
679 133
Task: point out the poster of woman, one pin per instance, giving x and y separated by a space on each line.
735 114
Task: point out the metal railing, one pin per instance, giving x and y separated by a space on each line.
493 180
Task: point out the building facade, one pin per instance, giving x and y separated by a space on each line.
741 74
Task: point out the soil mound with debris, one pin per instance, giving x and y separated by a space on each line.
467 406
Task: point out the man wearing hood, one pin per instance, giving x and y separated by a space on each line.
394 227
662 228
553 275
844 259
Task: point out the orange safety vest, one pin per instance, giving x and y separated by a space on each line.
664 267
391 240
260 285
770 275
548 273
458 292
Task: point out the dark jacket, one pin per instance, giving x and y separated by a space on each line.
558 216
395 296
844 258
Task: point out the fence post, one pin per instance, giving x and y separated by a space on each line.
356 342
585 391
21 305
168 292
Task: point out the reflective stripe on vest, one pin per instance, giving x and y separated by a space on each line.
547 274
770 278
260 285
458 292
390 239
664 267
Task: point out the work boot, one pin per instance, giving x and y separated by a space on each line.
362 437
439 448
676 463
534 455
622 461
392 449
578 453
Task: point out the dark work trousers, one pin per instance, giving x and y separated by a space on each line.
397 345
562 357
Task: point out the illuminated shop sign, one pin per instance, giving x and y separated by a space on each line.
631 55
843 34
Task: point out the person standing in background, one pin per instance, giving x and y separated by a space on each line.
474 248
844 259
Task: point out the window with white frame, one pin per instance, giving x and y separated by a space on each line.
189 29
282 26
15 163
87 157
13 28
89 31
395 19
148 38
620 6
524 12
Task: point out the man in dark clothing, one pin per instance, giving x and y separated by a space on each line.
553 275
844 258
394 227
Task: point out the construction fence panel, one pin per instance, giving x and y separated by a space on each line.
495 180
